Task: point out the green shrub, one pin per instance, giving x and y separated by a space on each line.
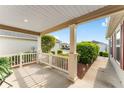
59 52
100 53
4 61
96 52
53 52
5 66
48 42
87 51
64 54
104 54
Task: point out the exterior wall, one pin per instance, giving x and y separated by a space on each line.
57 46
9 45
119 71
115 63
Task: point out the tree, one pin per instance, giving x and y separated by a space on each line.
47 43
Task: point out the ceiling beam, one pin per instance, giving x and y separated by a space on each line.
16 29
102 12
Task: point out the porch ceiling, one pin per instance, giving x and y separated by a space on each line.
44 19
114 21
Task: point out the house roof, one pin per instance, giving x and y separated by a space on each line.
98 42
36 19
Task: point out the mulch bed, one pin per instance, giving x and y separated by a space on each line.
82 69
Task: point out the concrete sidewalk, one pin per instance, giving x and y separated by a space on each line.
100 75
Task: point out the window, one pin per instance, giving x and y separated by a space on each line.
117 47
111 46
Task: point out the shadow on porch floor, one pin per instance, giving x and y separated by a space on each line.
37 76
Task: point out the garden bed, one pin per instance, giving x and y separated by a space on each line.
82 69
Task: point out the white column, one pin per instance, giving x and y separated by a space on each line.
39 50
72 64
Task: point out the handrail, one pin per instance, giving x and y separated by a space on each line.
21 59
55 55
56 61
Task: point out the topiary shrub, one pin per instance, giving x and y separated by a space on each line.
53 52
104 54
59 52
87 51
96 52
47 43
100 53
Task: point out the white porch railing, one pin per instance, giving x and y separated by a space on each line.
55 61
21 59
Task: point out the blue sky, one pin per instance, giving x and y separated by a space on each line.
92 30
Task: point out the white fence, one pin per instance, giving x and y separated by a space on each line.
21 59
55 61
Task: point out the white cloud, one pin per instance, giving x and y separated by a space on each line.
105 23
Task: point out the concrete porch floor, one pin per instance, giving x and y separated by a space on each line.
37 76
100 75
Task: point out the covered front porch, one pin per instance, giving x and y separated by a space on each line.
46 70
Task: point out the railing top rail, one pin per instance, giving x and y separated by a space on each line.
45 53
9 55
66 57
29 53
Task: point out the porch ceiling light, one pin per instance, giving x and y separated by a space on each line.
25 20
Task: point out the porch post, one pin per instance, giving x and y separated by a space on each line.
39 50
72 63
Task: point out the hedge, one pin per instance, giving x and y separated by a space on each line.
87 51
48 42
59 52
53 52
104 54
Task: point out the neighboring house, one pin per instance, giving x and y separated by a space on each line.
115 34
65 46
13 42
57 45
103 46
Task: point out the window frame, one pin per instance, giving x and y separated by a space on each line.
115 44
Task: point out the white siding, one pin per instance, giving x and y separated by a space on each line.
10 45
